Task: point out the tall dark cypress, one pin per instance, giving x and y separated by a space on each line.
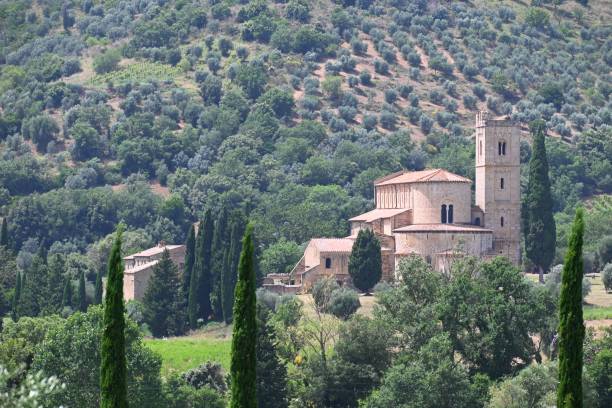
162 308
203 266
113 372
271 372
537 210
571 324
189 261
67 294
16 296
192 300
55 270
220 247
82 295
33 298
4 241
230 269
244 338
98 289
365 264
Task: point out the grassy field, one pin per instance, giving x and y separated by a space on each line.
182 353
597 312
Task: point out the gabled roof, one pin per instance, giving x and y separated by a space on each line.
379 213
152 251
424 176
332 244
444 228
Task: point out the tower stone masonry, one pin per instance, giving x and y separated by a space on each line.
498 182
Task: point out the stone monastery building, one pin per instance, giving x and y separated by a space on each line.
139 268
430 213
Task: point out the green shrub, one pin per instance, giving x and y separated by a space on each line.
107 61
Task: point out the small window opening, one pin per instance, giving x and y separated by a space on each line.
327 263
501 183
477 221
443 214
450 214
501 221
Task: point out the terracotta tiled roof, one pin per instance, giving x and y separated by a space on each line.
333 244
424 176
379 213
441 228
152 251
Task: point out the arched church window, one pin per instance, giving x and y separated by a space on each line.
504 148
499 148
450 214
501 221
443 214
501 183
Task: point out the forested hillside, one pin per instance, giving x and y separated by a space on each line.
151 112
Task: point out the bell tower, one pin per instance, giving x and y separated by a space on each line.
498 185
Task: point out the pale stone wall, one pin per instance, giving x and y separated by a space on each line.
429 197
428 244
393 196
135 283
498 190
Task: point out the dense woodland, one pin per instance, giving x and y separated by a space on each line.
159 114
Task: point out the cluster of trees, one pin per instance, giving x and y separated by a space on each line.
204 291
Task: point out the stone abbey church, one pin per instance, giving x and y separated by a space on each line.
430 213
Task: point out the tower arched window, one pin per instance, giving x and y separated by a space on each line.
503 148
501 183
450 214
480 147
443 218
501 221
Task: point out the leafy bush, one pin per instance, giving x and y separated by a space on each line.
343 303
365 77
390 96
388 120
370 122
107 61
381 67
606 277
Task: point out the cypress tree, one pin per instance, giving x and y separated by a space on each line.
537 210
220 247
4 241
67 295
55 269
365 261
192 304
244 338
203 266
33 298
162 309
113 372
230 270
271 372
571 324
82 299
98 291
189 261
16 296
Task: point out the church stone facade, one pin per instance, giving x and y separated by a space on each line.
430 213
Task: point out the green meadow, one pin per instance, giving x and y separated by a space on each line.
182 353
